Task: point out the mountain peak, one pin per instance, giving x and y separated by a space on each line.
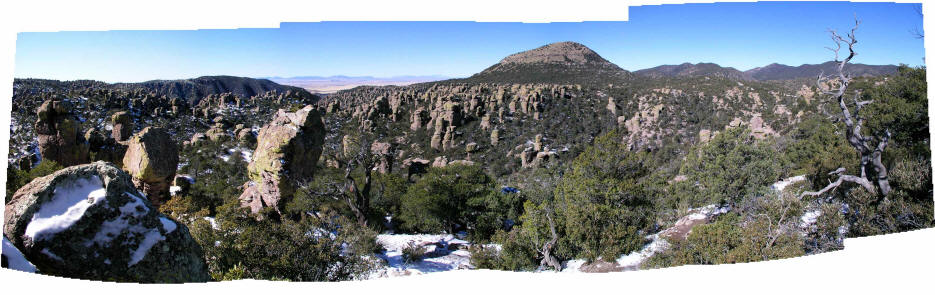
557 53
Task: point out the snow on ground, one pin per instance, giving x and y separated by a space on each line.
636 258
246 154
68 203
809 218
213 222
440 258
440 254
657 242
782 184
15 258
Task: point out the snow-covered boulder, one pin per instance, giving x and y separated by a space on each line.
90 222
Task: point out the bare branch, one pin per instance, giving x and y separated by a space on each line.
841 179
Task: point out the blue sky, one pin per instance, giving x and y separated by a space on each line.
740 35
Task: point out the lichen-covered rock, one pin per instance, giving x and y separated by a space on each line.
59 134
90 222
217 133
122 126
246 136
287 151
152 158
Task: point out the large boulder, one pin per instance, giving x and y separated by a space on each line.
59 134
152 158
287 151
90 222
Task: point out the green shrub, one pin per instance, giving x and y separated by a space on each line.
729 167
18 178
763 228
412 253
603 208
325 247
446 199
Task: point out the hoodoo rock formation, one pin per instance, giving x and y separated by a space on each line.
59 134
152 158
287 151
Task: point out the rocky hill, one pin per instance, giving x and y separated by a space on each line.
693 70
566 62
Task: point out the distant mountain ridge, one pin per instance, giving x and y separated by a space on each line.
766 73
194 89
783 72
331 84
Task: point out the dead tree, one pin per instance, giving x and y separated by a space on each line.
547 258
356 197
870 148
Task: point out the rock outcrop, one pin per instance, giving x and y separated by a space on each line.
122 126
59 134
415 166
90 222
287 151
384 152
152 158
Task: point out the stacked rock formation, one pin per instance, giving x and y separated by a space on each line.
59 133
152 158
122 126
384 152
89 222
287 151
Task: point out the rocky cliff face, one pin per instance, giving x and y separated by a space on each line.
90 222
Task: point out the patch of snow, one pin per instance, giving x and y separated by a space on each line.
782 184
149 240
213 222
573 265
167 224
15 259
809 218
50 254
636 258
436 259
132 211
68 203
